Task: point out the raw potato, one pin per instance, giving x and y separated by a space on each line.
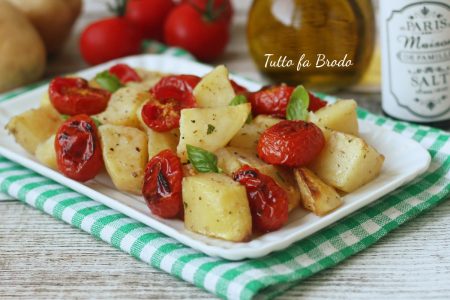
340 116
123 107
317 196
347 162
230 159
34 126
210 128
46 154
53 19
125 155
22 52
216 206
214 89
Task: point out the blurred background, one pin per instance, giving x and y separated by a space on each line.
231 32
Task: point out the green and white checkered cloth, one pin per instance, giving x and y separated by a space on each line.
268 276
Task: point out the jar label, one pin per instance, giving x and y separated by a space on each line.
418 45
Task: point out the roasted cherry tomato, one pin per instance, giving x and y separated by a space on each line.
171 94
125 73
291 143
162 185
77 146
268 201
271 101
315 103
160 115
274 100
177 87
238 89
73 96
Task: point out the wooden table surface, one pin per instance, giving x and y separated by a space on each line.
42 258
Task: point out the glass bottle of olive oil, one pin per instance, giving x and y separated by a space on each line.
323 44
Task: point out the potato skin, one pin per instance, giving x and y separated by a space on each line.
22 51
53 19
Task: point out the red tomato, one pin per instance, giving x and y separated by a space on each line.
149 16
315 103
160 115
222 7
73 96
171 94
238 89
77 146
188 28
268 201
178 87
271 100
274 100
109 38
291 143
162 185
125 73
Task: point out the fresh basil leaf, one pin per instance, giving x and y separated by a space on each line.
65 117
297 108
96 121
108 81
203 161
241 99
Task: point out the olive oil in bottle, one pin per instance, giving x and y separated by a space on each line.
323 44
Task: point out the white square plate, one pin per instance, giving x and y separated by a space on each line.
405 160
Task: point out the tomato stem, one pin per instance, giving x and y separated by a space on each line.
210 14
118 8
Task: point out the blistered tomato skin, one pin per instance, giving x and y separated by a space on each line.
268 202
271 101
291 143
162 185
178 87
315 103
77 147
161 115
73 96
170 95
125 73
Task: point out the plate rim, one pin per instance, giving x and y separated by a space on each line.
235 253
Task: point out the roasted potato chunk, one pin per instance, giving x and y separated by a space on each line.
340 116
46 154
316 196
123 105
216 206
34 126
210 128
214 89
125 155
347 162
